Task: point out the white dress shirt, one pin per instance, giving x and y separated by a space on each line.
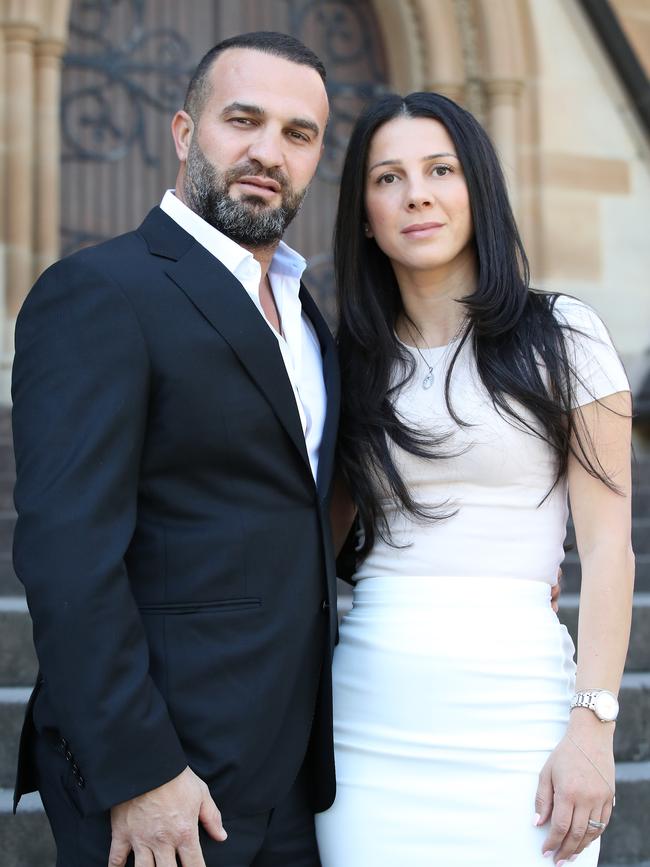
298 341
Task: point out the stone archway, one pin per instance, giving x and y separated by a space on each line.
482 54
479 52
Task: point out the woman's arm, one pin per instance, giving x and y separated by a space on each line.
572 791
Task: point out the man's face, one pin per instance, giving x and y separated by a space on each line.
256 145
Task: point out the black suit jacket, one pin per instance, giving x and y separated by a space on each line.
173 544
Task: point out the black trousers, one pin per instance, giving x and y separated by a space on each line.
281 837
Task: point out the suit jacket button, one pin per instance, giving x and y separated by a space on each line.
68 756
63 744
325 605
80 781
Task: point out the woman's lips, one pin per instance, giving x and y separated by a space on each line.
419 230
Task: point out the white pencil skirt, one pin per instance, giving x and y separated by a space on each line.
449 695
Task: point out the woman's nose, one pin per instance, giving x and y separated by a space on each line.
417 200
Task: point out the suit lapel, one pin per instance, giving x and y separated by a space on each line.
221 299
331 377
224 303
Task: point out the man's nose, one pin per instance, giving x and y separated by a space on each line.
266 149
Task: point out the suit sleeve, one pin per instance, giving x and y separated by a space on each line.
80 396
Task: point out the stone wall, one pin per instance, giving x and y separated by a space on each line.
576 157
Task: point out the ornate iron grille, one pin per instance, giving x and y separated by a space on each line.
125 74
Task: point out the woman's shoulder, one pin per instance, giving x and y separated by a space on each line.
597 369
576 315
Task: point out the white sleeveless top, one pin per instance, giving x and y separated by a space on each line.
496 475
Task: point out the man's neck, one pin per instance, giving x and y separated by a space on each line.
263 256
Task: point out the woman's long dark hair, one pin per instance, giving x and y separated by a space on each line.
512 328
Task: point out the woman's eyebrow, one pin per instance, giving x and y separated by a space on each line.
397 162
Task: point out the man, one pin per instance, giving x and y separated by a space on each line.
175 410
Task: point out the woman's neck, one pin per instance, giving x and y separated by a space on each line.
432 310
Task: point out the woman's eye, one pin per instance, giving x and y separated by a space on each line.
441 171
388 178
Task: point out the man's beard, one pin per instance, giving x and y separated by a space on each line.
247 221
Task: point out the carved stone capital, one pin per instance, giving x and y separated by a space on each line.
50 48
506 89
19 32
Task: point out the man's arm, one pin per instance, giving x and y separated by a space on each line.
80 392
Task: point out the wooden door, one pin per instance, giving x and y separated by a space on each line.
125 75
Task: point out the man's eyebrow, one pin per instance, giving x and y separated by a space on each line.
258 111
244 107
304 123
398 162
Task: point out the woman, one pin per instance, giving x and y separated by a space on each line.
472 405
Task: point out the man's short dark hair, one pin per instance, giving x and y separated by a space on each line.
266 41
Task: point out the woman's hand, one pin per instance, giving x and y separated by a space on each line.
571 791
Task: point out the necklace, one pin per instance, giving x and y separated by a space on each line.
427 382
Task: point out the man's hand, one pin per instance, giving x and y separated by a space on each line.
165 822
555 592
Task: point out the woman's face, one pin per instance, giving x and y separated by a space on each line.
417 204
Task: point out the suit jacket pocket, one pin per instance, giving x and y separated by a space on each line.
238 604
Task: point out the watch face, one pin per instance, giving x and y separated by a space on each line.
606 706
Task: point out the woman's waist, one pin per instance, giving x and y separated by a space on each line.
493 625
424 592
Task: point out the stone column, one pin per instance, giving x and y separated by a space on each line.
47 153
455 91
503 121
446 71
19 124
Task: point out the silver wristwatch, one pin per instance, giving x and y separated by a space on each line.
601 701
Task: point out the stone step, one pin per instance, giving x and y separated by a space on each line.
26 837
638 657
627 840
12 712
641 470
17 657
632 735
7 462
7 526
9 584
7 481
640 501
571 573
631 742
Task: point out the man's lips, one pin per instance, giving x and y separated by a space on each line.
262 186
417 228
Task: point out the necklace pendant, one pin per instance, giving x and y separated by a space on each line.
427 382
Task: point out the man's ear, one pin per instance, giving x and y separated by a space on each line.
182 132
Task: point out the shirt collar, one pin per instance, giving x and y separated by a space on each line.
286 262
